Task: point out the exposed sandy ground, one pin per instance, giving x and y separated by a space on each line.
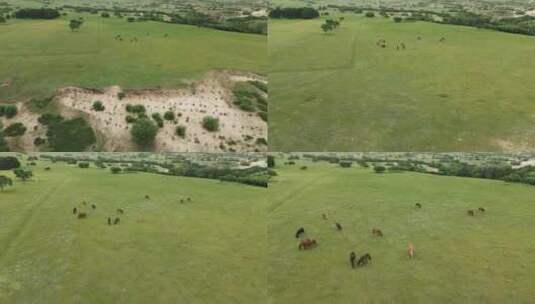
210 96
33 129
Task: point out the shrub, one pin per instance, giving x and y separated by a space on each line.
48 119
73 135
8 110
180 131
370 14
83 165
379 169
105 15
345 164
263 116
38 141
115 170
98 106
210 123
158 119
398 19
37 13
169 115
15 129
130 119
144 132
271 161
261 141
9 163
260 85
121 95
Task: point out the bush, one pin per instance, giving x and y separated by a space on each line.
130 119
210 123
144 132
15 129
379 169
9 163
121 95
260 85
398 19
48 119
73 135
345 164
271 161
369 14
98 106
105 15
8 110
37 13
169 115
83 165
158 119
261 141
39 141
115 170
263 116
180 131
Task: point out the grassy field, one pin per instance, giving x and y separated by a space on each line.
341 92
459 259
39 56
209 250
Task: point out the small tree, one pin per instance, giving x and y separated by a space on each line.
345 164
398 19
4 182
23 174
105 15
210 123
15 130
144 132
98 106
379 169
180 131
271 161
169 115
75 24
370 14
83 165
327 27
115 170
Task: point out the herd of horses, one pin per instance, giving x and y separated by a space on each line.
77 211
310 243
401 46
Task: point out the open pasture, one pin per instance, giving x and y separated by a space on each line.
342 91
486 258
40 56
165 249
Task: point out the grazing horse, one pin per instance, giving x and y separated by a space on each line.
75 210
299 232
470 212
481 209
364 260
307 244
324 216
410 250
403 45
418 205
147 197
442 39
117 220
109 221
121 211
93 206
352 259
377 232
338 226
82 215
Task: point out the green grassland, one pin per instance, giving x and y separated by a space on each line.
341 92
209 250
41 55
459 259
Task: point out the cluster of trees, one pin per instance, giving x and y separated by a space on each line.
255 176
73 135
37 13
331 25
8 110
9 163
75 24
294 13
14 130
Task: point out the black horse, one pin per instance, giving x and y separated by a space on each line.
109 221
74 211
299 232
117 220
364 260
352 259
338 226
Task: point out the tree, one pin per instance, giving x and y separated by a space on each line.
345 164
83 165
326 27
271 161
379 169
15 130
75 24
9 163
169 115
23 174
105 15
144 132
5 181
398 19
115 170
181 131
210 123
98 106
2 19
370 14
8 110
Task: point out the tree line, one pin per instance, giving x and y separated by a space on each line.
37 13
294 13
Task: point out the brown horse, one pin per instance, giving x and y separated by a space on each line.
82 215
352 259
377 232
470 212
307 244
410 250
364 260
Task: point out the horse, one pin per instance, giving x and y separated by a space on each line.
299 232
307 244
324 216
93 206
377 232
410 250
418 205
352 259
481 209
109 221
74 210
121 211
338 226
82 215
470 212
117 220
364 260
